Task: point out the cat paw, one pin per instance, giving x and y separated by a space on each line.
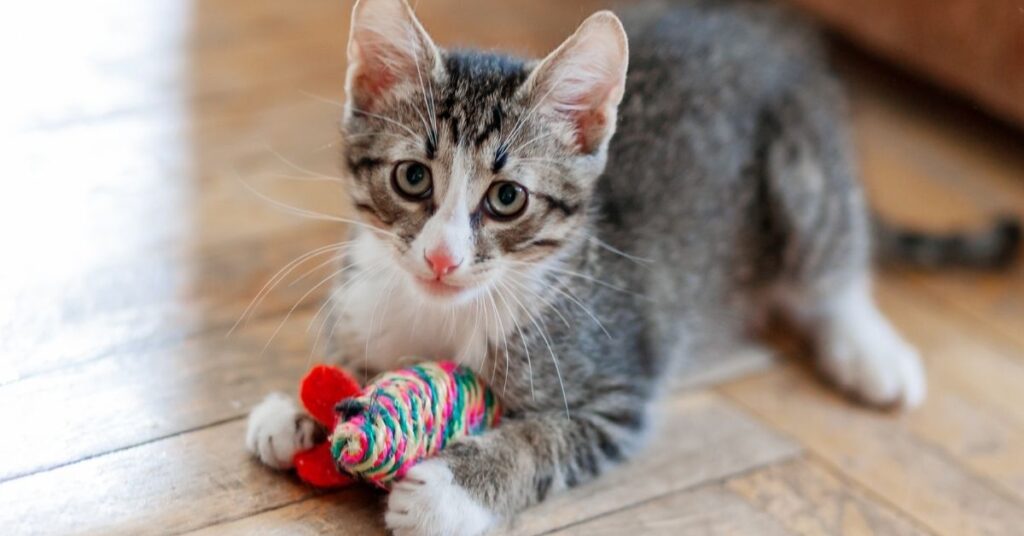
876 366
427 502
277 430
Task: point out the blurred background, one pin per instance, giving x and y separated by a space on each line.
141 142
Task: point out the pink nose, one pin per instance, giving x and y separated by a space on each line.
441 262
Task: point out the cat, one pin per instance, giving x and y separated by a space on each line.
503 225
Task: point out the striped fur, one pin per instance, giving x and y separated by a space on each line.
727 188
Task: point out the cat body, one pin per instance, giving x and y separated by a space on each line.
578 271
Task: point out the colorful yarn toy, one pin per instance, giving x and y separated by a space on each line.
400 418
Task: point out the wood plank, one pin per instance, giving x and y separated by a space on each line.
172 485
911 460
161 302
702 439
873 451
205 478
708 510
114 404
187 256
976 411
809 500
355 512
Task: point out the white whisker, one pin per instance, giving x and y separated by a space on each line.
311 214
547 341
545 301
386 119
432 128
331 303
277 277
580 275
501 329
569 296
297 303
522 120
341 251
531 141
297 167
605 245
522 339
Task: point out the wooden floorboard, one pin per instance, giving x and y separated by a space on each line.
954 472
134 241
707 510
115 403
808 499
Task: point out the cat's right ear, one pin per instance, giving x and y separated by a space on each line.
387 48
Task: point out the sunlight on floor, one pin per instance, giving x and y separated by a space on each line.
96 157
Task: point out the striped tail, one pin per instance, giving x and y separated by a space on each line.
994 247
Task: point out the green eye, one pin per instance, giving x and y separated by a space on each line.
412 180
505 200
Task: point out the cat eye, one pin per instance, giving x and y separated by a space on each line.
412 180
505 200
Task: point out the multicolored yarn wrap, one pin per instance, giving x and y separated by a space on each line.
407 415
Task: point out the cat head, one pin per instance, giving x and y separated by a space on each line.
471 165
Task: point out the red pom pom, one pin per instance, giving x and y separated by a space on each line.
322 388
316 467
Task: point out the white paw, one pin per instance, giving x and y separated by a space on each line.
277 430
428 503
876 365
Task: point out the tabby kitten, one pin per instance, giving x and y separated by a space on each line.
505 228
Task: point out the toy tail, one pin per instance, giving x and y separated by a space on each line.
994 247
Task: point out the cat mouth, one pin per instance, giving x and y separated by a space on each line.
437 287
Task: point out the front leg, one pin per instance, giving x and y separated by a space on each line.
477 481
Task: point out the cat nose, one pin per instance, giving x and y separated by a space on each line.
441 262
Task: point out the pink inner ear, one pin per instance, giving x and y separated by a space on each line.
589 126
371 83
586 105
373 77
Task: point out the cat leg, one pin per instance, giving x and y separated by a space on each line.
859 349
825 276
478 481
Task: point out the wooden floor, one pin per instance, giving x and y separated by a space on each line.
131 245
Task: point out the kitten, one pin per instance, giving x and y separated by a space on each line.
505 228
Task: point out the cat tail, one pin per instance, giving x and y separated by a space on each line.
993 247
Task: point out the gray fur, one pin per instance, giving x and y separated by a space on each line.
704 183
729 179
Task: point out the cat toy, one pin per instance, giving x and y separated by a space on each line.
379 432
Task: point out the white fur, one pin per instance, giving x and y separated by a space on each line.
428 503
864 354
450 227
275 432
390 322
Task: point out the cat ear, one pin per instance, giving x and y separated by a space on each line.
584 78
387 47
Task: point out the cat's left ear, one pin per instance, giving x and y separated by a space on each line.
584 79
387 48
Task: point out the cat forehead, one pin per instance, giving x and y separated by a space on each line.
478 95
